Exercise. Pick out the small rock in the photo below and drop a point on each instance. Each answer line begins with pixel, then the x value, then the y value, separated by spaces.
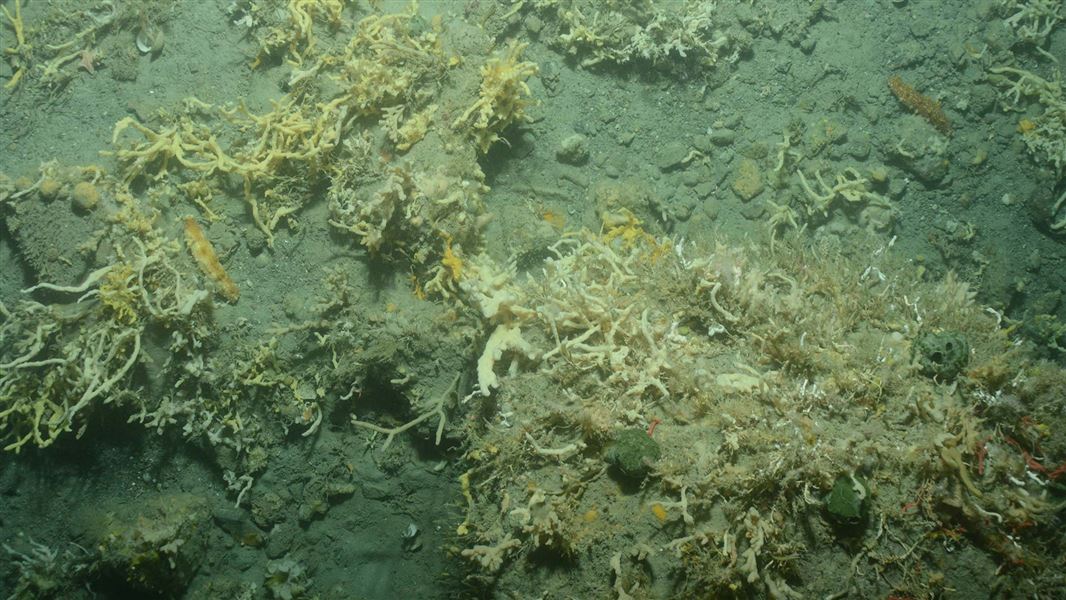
pixel 573 150
pixel 672 156
pixel 922 28
pixel 703 143
pixel 930 168
pixel 1032 264
pixel 711 210
pixel 534 24
pixel 705 189
pixel 753 211
pixel 723 137
pixel 280 541
pixel 896 187
pixel 680 206
pixel 858 149
pixel 1047 303
pixel 255 241
pixel 296 307
pixel 747 180
pixel 691 178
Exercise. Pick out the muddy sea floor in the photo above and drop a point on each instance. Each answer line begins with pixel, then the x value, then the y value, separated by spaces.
pixel 398 306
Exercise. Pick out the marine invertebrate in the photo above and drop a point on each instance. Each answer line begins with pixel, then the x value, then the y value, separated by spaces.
pixel 546 522
pixel 1045 134
pixel 632 453
pixel 1058 223
pixel 847 501
pixel 157 547
pixel 50 372
pixel 941 355
pixel 18 55
pixel 204 253
pixel 60 362
pixel 286 135
pixel 680 32
pixel 389 62
pixel 87 59
pixel 503 97
pixel 781 216
pixel 922 105
pixel 1033 20
pixel 85 195
pixel 854 188
pixel 491 557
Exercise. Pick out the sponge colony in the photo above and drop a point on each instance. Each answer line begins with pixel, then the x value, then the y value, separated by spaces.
pixel 85 196
pixel 632 453
pixel 941 355
pixel 49 188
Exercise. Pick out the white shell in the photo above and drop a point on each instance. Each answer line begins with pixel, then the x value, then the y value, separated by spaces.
pixel 143 43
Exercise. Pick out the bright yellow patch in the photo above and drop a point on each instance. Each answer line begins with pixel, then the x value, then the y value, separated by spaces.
pixel 451 261
pixel 632 235
pixel 553 218
pixel 420 293
pixel 464 482
pixel 659 511
pixel 1026 126
pixel 591 515
pixel 117 296
pixel 629 232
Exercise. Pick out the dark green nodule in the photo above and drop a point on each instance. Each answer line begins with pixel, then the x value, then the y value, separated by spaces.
pixel 846 502
pixel 632 453
pixel 941 355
